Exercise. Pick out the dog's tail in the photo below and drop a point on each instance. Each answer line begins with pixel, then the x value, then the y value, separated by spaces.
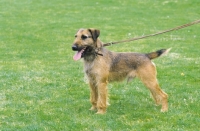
pixel 158 53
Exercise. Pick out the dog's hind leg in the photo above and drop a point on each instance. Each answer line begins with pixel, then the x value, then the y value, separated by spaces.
pixel 147 74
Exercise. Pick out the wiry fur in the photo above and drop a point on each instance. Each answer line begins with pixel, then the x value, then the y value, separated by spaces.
pixel 102 66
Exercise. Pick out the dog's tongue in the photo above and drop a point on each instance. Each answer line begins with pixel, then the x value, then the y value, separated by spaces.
pixel 78 54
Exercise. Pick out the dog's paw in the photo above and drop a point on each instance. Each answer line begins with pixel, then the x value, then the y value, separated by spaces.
pixel 93 108
pixel 164 110
pixel 101 111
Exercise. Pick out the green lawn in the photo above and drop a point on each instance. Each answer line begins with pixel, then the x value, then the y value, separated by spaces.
pixel 42 88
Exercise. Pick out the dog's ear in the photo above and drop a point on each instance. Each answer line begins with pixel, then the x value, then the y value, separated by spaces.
pixel 95 33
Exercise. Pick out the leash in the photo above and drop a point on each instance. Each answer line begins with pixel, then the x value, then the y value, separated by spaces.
pixel 162 32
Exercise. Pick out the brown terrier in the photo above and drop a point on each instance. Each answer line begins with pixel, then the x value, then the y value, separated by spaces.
pixel 102 66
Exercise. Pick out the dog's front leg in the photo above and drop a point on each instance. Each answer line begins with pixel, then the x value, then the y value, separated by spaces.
pixel 93 96
pixel 102 97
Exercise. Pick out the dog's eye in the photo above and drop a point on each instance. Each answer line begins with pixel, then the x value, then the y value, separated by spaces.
pixel 83 37
pixel 75 36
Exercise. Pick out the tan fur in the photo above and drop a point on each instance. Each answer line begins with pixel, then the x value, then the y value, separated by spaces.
pixel 116 67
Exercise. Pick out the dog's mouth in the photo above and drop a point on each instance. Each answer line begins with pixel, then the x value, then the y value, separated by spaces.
pixel 83 52
pixel 79 54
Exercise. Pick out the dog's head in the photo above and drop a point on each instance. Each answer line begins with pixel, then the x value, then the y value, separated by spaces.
pixel 85 43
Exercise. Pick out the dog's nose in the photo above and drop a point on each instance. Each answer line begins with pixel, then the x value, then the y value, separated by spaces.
pixel 74 48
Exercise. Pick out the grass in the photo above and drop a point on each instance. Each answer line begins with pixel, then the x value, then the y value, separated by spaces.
pixel 42 88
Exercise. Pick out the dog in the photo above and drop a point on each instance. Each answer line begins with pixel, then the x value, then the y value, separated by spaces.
pixel 102 66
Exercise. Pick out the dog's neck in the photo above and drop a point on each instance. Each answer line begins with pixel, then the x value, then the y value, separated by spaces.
pixel 93 54
pixel 89 57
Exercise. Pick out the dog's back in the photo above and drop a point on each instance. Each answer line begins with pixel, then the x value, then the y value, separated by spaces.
pixel 125 65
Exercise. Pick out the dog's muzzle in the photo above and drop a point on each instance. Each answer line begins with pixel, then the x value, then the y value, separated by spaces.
pixel 74 47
